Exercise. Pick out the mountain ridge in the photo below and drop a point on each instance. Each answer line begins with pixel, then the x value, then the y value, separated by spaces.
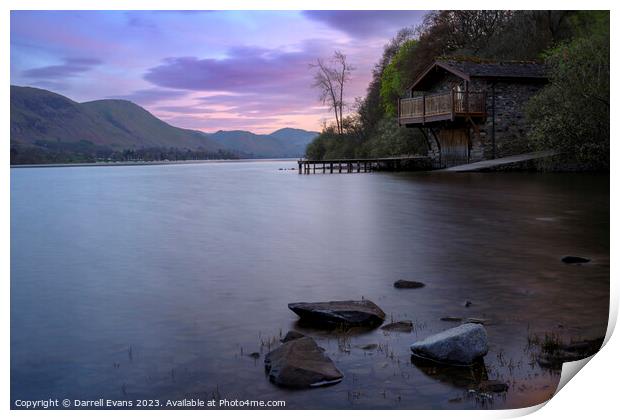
pixel 43 121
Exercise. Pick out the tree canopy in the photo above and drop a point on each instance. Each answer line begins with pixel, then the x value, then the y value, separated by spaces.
pixel 571 114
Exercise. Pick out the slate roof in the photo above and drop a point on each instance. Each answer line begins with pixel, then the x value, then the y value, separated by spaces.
pixel 512 69
pixel 467 69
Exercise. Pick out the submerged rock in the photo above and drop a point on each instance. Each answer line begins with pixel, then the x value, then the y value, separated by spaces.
pixel 555 360
pixel 553 355
pixel 465 377
pixel 292 335
pixel 400 326
pixel 477 321
pixel 466 320
pixel 492 386
pixel 451 319
pixel 585 348
pixel 368 347
pixel 347 313
pixel 570 259
pixel 461 345
pixel 301 363
pixel 408 284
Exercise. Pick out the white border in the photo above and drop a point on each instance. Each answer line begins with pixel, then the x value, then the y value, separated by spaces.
pixel 593 395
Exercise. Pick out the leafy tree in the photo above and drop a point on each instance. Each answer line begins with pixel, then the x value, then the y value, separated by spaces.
pixel 465 29
pixel 369 109
pixel 331 144
pixel 571 114
pixel 392 140
pixel 317 149
pixel 446 32
pixel 536 30
pixel 397 76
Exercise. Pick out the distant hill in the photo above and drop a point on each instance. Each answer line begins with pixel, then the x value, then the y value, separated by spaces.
pixel 295 137
pixel 39 115
pixel 286 142
pixel 48 127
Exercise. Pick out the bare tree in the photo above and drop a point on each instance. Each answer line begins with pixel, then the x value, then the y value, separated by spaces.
pixel 331 78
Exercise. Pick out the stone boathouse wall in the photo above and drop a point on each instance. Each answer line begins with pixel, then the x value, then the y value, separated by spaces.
pixel 511 97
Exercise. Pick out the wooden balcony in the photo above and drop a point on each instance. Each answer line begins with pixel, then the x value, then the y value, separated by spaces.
pixel 441 106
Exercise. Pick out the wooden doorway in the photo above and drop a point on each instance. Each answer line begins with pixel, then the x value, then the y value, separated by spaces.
pixel 454 144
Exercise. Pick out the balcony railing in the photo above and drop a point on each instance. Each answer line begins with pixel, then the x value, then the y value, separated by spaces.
pixel 441 106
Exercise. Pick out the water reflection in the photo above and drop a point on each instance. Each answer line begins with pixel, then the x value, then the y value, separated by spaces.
pixel 466 377
pixel 189 264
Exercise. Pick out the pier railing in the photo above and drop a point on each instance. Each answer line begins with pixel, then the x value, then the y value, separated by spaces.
pixel 331 166
pixel 441 106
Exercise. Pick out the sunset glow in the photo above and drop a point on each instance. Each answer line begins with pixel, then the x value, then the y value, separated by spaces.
pixel 210 71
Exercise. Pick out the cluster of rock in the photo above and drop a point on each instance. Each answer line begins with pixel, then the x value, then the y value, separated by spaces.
pixel 301 363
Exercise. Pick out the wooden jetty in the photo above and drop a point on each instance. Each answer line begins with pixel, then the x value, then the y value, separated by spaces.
pixel 331 166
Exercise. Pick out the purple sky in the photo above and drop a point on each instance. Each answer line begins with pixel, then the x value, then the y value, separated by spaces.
pixel 203 70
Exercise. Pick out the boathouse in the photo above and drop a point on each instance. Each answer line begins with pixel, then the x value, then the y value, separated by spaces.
pixel 471 110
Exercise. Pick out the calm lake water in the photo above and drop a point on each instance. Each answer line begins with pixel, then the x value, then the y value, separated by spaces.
pixel 158 281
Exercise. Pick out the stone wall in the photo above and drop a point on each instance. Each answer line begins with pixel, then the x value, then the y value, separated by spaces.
pixel 433 150
pixel 510 121
pixel 511 128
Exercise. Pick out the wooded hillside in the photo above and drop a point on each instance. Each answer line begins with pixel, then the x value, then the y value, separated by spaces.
pixel 571 114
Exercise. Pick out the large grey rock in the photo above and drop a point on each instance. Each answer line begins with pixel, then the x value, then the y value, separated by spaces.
pixel 301 363
pixel 347 313
pixel 461 345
